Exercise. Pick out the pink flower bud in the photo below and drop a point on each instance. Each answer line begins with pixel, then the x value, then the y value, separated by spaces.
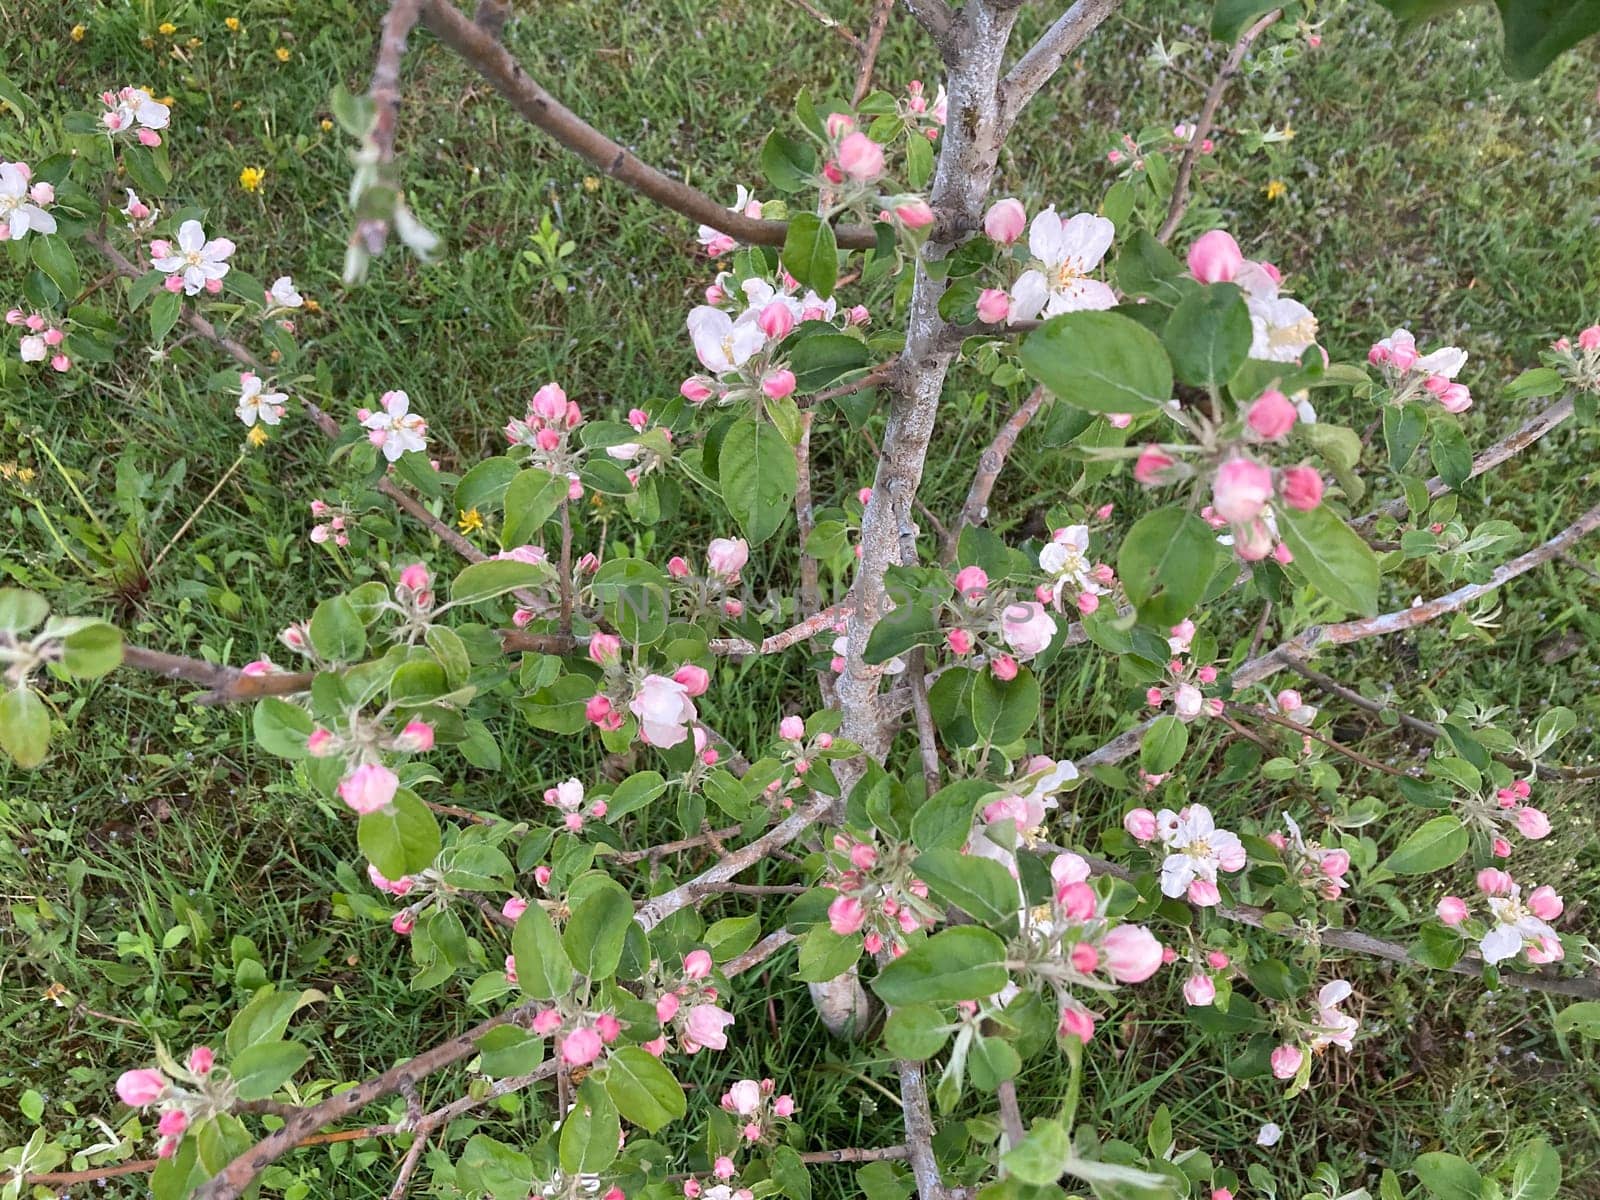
pixel 172 1123
pixel 403 922
pixel 775 385
pixel 1456 398
pixel 1241 490
pixel 1494 882
pixel 838 124
pixel 581 1047
pixel 1272 415
pixel 1199 990
pixel 598 708
pixel 151 139
pixel 792 729
pixel 415 738
pixel 1533 824
pixel 201 1060
pixel 369 787
pixel 863 856
pixel 513 908
pixel 696 389
pixel 1005 221
pixel 1152 466
pixel 605 648
pixel 1544 903
pixel 858 315
pixel 784 1106
pixel 1286 1061
pixel 846 916
pixel 1206 674
pixel 546 1021
pixel 1004 668
pixel 723 1168
pixel 667 1006
pixel 1203 893
pixel 1500 848
pixel 914 213
pixel 1215 257
pixel 1076 900
pixel 776 320
pixel 1132 953
pixel 959 641
pixel 697 964
pixel 1217 960
pixel 1140 823
pixel 860 157
pixel 1589 339
pixel 42 193
pixel 1076 1022
pixel 415 577
pixel 1084 958
pixel 1452 910
pixel 141 1088
pixel 994 305
pixel 608 1027
pixel 694 679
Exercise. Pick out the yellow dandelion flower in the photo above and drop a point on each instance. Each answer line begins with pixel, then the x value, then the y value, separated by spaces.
pixel 257 436
pixel 470 520
pixel 282 53
pixel 591 184
pixel 232 23
pixel 26 475
pixel 166 29
pixel 78 33
pixel 250 179
pixel 312 306
pixel 237 105
pixel 167 100
pixel 326 125
pixel 1276 189
pixel 193 43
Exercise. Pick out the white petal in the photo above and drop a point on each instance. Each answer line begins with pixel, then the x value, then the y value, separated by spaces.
pixel 191 236
pixel 1446 361
pixel 1028 296
pixel 1500 943
pixel 1082 295
pixel 1044 237
pixel 1086 238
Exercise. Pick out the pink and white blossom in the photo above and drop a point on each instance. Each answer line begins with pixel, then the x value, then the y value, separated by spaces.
pixel 198 263
pixel 1064 253
pixel 396 430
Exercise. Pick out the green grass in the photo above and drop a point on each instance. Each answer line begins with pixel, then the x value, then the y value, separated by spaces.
pixel 1422 188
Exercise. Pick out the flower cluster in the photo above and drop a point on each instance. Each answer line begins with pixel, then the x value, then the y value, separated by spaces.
pixel 185 1094
pixel 196 264
pixel 663 705
pixel 1579 365
pixel 1412 375
pixel 1057 276
pixel 689 1010
pixel 40 339
pixel 1513 925
pixel 367 784
pixel 723 1171
pixel 132 110
pixel 736 333
pixel 1017 817
pixel 1330 1027
pixel 1312 866
pixel 1072 943
pixel 1242 493
pixel 257 404
pixel 568 800
pixel 1200 988
pixel 1282 329
pixel 715 242
pixel 396 429
pixel 141 218
pixel 725 559
pixel 1133 151
pixel 878 895
pixel 23 203
pixel 923 114
pixel 1184 692
pixel 994 623
pixel 332 524
pixel 760 1112
pixel 1196 850
pixel 1065 559
pixel 546 431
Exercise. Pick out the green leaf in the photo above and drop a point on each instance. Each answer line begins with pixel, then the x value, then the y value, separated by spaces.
pixel 1403 430
pixel 788 163
pixel 401 838
pixel 337 632
pixel 484 486
pixel 732 936
pixel 1538 30
pixel 1165 562
pixel 980 887
pixel 508 1050
pixel 811 254
pixel 281 729
pixel 24 726
pixel 486 580
pixel 1332 557
pixel 266 1017
pixel 1452 455
pixel 944 820
pixel 92 650
pixel 963 963
pixel 591 1132
pixel 1042 1156
pixel 992 1062
pixel 1230 18
pixel 915 1031
pixel 53 255
pixel 261 1069
pixel 1208 335
pixel 1004 710
pixel 1103 362
pixel 826 955
pixel 494 1169
pixel 787 1167
pixel 903 627
pixel 1539 381
pixel 634 793
pixel 822 359
pixel 758 477
pixel 1537 1173
pixel 543 968
pixel 1432 848
pixel 164 310
pixel 597 930
pixel 1147 269
pixel 1448 1176
pixel 1582 1018
pixel 531 499
pixel 642 1088
pixel 21 610
pixel 1163 745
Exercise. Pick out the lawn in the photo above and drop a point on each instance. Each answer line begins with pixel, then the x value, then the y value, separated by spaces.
pixel 161 863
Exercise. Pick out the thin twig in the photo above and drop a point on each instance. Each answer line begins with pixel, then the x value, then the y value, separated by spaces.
pixel 976 508
pixel 877 375
pixel 810 586
pixel 927 736
pixel 408 1167
pixel 666 848
pixel 384 92
pixel 827 22
pixel 1262 714
pixel 869 49
pixel 565 582
pixel 508 77
pixel 1208 116
pixel 197 510
pixel 1010 1112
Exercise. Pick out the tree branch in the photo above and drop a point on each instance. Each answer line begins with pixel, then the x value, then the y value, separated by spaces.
pixel 869 49
pixel 936 17
pixel 919 1132
pixel 1208 116
pixel 384 92
pixel 1044 58
pixel 827 22
pixel 976 508
pixel 1514 443
pixel 1345 632
pixel 491 60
